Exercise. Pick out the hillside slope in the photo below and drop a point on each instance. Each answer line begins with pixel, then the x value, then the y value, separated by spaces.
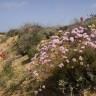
pixel 63 62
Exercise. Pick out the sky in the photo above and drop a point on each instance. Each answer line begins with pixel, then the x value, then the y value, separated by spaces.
pixel 15 13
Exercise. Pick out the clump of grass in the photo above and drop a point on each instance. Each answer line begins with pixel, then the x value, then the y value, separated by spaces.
pixel 7 69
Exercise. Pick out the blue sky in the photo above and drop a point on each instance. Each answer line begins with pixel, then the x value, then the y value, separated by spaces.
pixel 14 13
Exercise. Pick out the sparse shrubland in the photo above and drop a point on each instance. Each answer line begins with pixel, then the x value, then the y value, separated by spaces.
pixel 61 61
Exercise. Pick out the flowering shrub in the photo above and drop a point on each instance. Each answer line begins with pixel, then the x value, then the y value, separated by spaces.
pixel 69 57
pixel 62 61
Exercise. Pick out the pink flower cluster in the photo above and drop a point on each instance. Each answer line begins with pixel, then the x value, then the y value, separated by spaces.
pixel 80 36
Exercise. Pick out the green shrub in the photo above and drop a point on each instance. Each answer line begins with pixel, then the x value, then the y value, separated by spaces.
pixel 12 32
pixel 48 32
pixel 7 69
pixel 29 39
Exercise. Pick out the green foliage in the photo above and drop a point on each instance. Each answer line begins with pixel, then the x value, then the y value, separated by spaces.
pixel 7 69
pixel 48 32
pixel 29 38
pixel 7 73
pixel 32 51
pixel 91 20
pixel 90 55
pixel 12 32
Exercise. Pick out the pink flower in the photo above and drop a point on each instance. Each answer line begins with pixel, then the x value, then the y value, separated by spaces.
pixel 75 50
pixel 81 63
pixel 61 65
pixel 80 58
pixel 60 31
pixel 92 44
pixel 85 35
pixel 72 39
pixel 35 73
pixel 43 86
pixel 92 35
pixel 79 35
pixel 40 89
pixel 82 47
pixel 74 59
pixel 65 57
pixel 54 37
pixel 62 49
pixel 53 45
pixel 65 38
pixel 81 29
pixel 74 31
pixel 55 41
pixel 67 61
pixel 80 51
pixel 35 92
pixel 85 43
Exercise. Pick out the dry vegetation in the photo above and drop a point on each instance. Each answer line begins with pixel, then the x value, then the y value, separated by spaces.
pixel 38 61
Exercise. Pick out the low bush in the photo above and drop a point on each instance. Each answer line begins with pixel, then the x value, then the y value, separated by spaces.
pixel 12 32
pixel 29 38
